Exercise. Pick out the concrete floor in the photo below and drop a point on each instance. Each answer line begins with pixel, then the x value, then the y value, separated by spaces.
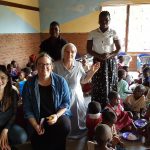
pixel 81 144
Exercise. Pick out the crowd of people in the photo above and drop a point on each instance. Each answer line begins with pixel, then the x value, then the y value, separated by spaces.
pixel 49 90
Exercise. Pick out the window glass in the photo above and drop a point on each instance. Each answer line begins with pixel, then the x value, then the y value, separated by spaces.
pixel 118 21
pixel 139 28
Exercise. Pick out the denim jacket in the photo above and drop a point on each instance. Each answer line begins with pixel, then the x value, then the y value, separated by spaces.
pixel 31 96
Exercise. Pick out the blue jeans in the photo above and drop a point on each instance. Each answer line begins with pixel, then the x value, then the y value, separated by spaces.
pixel 17 135
pixel 118 147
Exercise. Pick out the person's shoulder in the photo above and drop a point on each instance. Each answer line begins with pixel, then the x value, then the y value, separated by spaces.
pixel 131 96
pixel 45 40
pixel 143 97
pixel 94 31
pixel 62 40
pixel 14 90
pixel 57 77
pixel 31 80
pixel 124 82
pixel 112 31
pixel 78 63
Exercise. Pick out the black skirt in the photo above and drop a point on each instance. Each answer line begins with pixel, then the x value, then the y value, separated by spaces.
pixel 104 81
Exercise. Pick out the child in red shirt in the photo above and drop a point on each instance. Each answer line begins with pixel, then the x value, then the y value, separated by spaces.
pixel 93 118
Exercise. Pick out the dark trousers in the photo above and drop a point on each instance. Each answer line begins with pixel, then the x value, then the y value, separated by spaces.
pixel 54 137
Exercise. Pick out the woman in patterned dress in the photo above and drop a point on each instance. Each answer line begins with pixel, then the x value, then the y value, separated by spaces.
pixel 101 44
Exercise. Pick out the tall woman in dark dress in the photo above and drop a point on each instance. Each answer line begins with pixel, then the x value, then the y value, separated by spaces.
pixel 100 44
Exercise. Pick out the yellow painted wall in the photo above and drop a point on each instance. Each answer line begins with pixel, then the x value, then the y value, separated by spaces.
pixel 28 16
pixel 81 24
pixel 34 3
pixel 28 21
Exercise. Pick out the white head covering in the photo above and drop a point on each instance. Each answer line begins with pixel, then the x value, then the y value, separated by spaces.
pixel 64 48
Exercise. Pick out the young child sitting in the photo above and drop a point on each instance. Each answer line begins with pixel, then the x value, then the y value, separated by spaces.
pixel 146 77
pixel 147 113
pixel 103 136
pixel 123 86
pixel 145 131
pixel 124 119
pixel 136 102
pixel 93 118
pixel 109 118
pixel 120 62
pixel 129 77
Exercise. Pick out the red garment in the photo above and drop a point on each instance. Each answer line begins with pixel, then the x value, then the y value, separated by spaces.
pixel 91 124
pixel 123 118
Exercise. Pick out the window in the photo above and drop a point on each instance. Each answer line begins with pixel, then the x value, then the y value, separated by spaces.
pixel 138 27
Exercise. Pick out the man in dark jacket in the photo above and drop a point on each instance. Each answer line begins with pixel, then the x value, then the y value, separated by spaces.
pixel 54 43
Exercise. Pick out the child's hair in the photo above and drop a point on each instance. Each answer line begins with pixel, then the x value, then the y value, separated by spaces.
pixel 140 88
pixel 103 134
pixel 125 68
pixel 27 71
pixel 108 117
pixel 121 73
pixel 94 107
pixel 112 95
pixel 121 58
pixel 146 70
pixel 104 14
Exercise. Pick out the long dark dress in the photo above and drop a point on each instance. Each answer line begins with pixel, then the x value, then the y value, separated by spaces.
pixel 104 80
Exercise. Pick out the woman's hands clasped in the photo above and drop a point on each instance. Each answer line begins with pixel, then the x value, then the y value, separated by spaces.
pixel 52 119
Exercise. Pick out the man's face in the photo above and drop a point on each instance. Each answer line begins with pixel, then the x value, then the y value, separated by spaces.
pixel 54 31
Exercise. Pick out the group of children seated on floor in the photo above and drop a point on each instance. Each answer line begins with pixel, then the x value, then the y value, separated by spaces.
pixel 114 119
pixel 124 108
pixel 19 76
pixel 105 126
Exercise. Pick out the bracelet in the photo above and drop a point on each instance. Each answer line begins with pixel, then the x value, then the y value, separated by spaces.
pixel 57 116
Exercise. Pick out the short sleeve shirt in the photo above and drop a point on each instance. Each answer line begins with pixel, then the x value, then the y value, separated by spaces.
pixel 103 42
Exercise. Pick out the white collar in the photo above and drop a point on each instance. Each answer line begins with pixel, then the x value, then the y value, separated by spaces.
pixel 94 116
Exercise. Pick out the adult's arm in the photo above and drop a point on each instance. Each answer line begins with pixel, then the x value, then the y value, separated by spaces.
pixel 126 89
pixel 117 46
pixel 28 109
pixel 15 98
pixel 65 95
pixel 27 102
pixel 90 73
pixel 65 104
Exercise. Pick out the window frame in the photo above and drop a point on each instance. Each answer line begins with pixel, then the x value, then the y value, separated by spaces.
pixel 128 8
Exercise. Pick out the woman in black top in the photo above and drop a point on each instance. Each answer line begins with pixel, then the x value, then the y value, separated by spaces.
pixel 10 134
